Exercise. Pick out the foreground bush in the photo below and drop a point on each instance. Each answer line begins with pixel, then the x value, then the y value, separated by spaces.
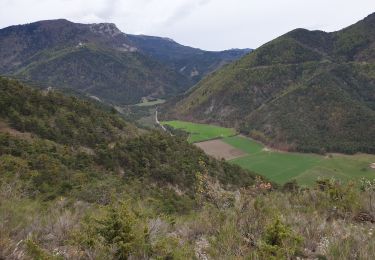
pixel 251 223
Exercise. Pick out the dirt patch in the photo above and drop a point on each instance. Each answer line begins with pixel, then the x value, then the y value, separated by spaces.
pixel 372 166
pixel 220 149
pixel 4 128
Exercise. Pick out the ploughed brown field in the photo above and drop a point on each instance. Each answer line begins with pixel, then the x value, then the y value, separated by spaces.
pixel 220 149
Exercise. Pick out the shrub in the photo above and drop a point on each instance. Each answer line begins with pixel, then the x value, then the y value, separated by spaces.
pixel 279 241
pixel 117 230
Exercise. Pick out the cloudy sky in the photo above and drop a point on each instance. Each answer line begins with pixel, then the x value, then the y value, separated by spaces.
pixel 206 24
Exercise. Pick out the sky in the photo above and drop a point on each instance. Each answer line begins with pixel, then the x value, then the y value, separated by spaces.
pixel 205 24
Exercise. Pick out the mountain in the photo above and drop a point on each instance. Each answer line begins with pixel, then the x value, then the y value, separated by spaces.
pixel 100 60
pixel 97 59
pixel 309 91
pixel 191 62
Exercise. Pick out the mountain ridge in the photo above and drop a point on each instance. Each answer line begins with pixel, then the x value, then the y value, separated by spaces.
pixel 133 71
pixel 267 93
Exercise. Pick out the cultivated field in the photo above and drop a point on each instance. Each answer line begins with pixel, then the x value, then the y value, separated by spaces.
pixel 279 167
pixel 282 167
pixel 220 150
pixel 201 132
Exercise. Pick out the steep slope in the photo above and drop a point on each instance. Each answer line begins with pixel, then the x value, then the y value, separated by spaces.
pixel 96 140
pixel 120 77
pixel 102 61
pixel 191 62
pixel 57 150
pixel 308 91
pixel 95 58
pixel 21 42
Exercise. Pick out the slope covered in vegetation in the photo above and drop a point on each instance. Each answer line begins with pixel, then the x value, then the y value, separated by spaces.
pixel 29 115
pixel 191 62
pixel 305 91
pixel 100 60
pixel 97 59
pixel 55 148
pixel 78 182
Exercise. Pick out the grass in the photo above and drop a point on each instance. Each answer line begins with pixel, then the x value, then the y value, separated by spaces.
pixel 343 167
pixel 151 103
pixel 201 132
pixel 282 167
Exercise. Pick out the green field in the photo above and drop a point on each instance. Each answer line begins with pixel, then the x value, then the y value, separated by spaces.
pixel 281 167
pixel 201 132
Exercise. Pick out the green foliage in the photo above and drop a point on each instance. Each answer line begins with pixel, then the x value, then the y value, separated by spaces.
pixel 35 252
pixel 201 132
pixel 304 91
pixel 190 59
pixel 122 78
pixel 246 229
pixel 118 229
pixel 280 242
pixel 85 161
pixel 343 198
pixel 64 200
pixel 99 60
pixel 52 116
pixel 63 54
pixel 282 167
pixel 167 159
pixel 171 248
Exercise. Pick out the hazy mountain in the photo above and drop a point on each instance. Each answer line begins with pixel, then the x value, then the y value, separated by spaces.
pixel 101 60
pixel 191 62
pixel 306 90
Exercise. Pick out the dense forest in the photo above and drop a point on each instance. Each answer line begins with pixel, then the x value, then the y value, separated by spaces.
pixel 308 91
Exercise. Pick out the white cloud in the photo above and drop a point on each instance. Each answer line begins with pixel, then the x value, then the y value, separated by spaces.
pixel 208 24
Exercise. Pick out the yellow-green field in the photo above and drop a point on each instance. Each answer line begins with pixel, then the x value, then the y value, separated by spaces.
pixel 282 167
pixel 201 132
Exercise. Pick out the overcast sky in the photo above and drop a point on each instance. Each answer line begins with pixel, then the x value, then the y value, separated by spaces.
pixel 206 24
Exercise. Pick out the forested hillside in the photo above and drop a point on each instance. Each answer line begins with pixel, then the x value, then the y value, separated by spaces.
pixel 309 91
pixel 97 59
pixel 54 147
pixel 78 182
pixel 193 63
pixel 102 61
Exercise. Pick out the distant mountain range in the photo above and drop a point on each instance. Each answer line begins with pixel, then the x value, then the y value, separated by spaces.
pixel 191 62
pixel 310 91
pixel 102 61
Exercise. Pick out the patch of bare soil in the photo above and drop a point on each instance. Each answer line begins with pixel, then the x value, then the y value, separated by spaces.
pixel 4 128
pixel 220 149
pixel 372 166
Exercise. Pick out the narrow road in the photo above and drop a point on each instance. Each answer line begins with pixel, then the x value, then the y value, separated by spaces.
pixel 158 122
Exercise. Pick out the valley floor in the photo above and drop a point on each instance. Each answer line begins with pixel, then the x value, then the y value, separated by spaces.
pixel 282 167
pixel 279 167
